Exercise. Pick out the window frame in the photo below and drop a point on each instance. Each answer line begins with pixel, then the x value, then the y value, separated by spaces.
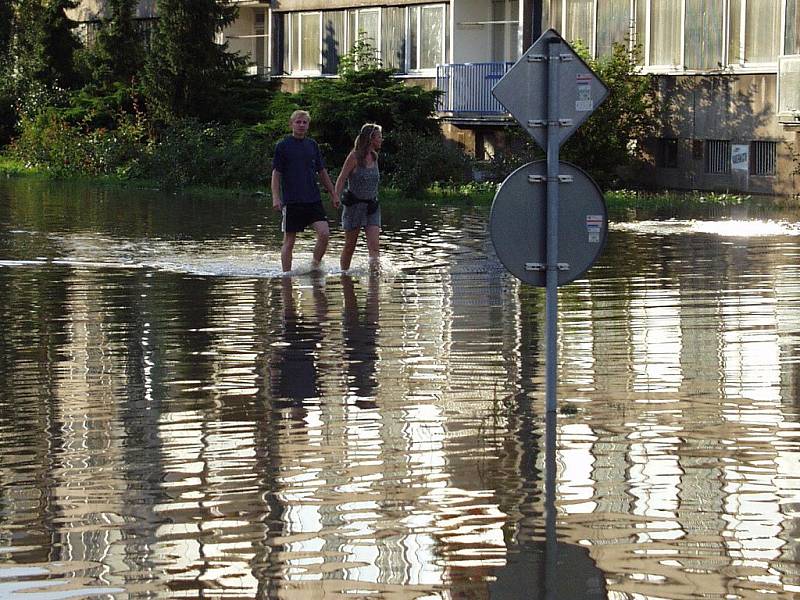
pixel 424 71
pixel 557 11
pixel 743 65
pixel 292 50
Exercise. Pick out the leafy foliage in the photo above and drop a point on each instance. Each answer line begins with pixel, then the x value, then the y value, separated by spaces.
pixel 45 44
pixel 117 55
pixel 417 160
pixel 187 72
pixel 613 137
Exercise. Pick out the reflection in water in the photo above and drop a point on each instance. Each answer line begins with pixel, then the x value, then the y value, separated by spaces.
pixel 360 332
pixel 294 369
pixel 175 421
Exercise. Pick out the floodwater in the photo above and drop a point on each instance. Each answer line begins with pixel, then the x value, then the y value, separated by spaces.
pixel 179 421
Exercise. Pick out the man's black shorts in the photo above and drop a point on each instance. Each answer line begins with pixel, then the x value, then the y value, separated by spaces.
pixel 296 217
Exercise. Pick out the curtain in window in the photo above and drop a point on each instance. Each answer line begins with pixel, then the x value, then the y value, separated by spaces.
pixel 703 34
pixel 665 32
pixel 413 37
pixel 431 35
pixel 368 25
pixel 286 35
pixel 735 32
pixel 580 22
pixel 641 27
pixel 512 30
pixel 551 15
pixel 791 42
pixel 762 31
pixel 498 30
pixel 333 40
pixel 614 23
pixel 393 26
pixel 309 42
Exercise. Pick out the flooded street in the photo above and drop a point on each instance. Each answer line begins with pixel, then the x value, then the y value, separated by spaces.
pixel 179 421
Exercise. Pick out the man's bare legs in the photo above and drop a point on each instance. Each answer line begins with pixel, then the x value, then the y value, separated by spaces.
pixel 286 250
pixel 323 236
pixel 321 245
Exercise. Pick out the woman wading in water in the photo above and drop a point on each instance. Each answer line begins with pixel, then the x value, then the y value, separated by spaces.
pixel 361 208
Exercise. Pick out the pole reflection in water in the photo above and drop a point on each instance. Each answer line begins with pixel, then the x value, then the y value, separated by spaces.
pixel 177 421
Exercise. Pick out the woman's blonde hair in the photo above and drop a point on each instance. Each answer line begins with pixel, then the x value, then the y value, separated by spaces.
pixel 361 145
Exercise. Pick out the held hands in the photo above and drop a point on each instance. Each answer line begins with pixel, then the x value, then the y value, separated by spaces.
pixel 334 198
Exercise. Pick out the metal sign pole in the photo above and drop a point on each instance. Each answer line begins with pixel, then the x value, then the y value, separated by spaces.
pixel 551 297
pixel 573 93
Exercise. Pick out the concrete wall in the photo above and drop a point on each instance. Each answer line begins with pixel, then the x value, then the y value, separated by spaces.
pixel 738 108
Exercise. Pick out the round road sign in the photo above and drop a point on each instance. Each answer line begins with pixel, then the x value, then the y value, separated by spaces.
pixel 518 223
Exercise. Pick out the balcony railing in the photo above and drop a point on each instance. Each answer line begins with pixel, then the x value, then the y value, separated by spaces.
pixel 468 87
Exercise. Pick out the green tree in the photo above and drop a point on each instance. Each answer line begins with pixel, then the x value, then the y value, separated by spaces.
pixel 45 44
pixel 187 72
pixel 117 56
pixel 7 110
pixel 614 137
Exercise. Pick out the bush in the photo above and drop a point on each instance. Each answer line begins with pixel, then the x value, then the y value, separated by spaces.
pixel 418 160
pixel 191 153
pixel 613 137
pixel 50 141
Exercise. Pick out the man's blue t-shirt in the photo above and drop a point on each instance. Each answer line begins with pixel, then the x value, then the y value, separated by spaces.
pixel 298 160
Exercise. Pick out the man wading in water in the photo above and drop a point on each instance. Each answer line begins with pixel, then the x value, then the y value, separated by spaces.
pixel 295 167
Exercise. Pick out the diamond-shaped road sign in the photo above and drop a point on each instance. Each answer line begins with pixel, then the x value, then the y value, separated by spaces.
pixel 523 89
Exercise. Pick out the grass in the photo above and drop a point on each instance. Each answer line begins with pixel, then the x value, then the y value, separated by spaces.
pixel 620 203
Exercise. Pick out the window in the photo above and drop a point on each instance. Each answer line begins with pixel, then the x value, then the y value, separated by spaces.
pixel 309 38
pixel 697 149
pixel 614 23
pixel 334 44
pixel 407 38
pixel 703 34
pixel 755 31
pixel 791 40
pixel 428 43
pixel 665 32
pixel 763 158
pixel 718 156
pixel 393 23
pixel 367 26
pixel 259 41
pixel 505 30
pixel 667 153
pixel 579 22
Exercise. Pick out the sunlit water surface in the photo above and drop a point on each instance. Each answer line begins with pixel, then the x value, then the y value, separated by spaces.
pixel 178 420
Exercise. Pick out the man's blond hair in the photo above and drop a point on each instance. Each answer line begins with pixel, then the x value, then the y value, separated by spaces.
pixel 299 113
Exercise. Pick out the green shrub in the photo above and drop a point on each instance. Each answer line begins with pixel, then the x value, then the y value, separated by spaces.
pixel 50 141
pixel 417 160
pixel 192 153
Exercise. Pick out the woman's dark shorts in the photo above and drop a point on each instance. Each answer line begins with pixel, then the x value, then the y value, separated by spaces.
pixel 296 217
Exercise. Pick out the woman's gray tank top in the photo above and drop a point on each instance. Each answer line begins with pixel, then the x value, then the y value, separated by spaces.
pixel 363 181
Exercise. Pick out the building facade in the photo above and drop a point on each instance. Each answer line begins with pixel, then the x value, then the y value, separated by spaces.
pixel 728 70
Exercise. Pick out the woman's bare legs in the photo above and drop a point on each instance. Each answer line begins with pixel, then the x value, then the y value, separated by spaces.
pixel 350 240
pixel 373 233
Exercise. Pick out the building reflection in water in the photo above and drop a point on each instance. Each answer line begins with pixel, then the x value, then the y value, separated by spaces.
pixel 283 438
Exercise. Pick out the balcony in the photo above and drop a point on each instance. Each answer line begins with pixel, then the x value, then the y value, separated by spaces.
pixel 467 89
